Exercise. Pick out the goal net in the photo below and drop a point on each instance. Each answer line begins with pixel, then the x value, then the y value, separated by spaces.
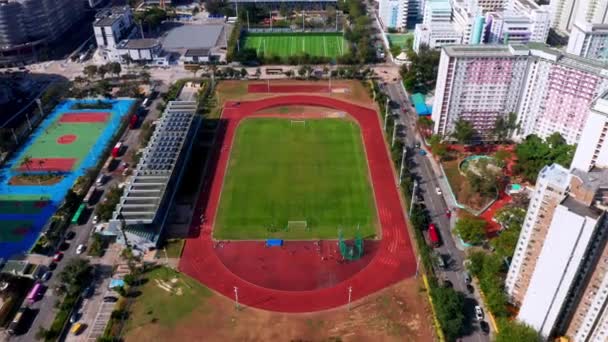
pixel 297 225
pixel 298 123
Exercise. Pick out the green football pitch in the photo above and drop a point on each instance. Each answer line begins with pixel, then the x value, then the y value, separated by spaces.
pixel 282 170
pixel 284 45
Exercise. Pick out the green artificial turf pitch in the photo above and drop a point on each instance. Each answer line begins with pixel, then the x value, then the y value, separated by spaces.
pixel 46 145
pixel 282 170
pixel 284 45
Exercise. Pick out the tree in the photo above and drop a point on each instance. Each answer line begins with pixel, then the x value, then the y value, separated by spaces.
pixel 505 127
pixel 115 68
pixel 27 161
pixel 330 14
pixel 516 331
pixel 421 75
pixel 438 148
pixel 145 76
pixel 75 275
pixel 464 132
pixel 243 72
pixel 425 124
pixel 533 154
pixel 283 10
pixel 449 306
pixel 102 70
pixel 302 71
pixel 90 71
pixel 471 230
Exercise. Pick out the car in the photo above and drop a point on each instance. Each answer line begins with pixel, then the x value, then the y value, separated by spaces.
pixel 110 299
pixel 485 327
pixel 467 278
pixel 88 291
pixel 80 249
pixel 448 284
pixel 478 313
pixel 470 288
pixel 422 152
pixel 96 219
pixel 70 235
pixel 57 257
pixel 438 191
pixel 75 317
pixel 52 265
pixel 46 276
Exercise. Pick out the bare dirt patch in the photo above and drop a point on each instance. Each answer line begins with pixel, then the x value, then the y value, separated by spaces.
pixel 398 313
pixel 44 179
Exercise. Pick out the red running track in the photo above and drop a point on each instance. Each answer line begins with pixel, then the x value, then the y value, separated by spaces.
pixel 393 261
pixel 287 88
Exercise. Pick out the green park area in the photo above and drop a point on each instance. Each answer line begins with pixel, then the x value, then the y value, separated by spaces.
pixel 296 180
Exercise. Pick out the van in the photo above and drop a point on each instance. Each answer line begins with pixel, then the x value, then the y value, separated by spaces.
pixel 100 180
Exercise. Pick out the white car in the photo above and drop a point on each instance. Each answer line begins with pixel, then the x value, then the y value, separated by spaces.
pixel 478 313
pixel 96 219
pixel 438 191
pixel 80 249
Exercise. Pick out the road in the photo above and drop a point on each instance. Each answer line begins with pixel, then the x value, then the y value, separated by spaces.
pixel 436 205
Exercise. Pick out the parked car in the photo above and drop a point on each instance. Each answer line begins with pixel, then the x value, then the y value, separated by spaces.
pixel 478 313
pixel 96 219
pixel 438 191
pixel 70 235
pixel 80 249
pixel 74 318
pixel 110 299
pixel 467 277
pixel 57 257
pixel 88 291
pixel 46 276
pixel 484 327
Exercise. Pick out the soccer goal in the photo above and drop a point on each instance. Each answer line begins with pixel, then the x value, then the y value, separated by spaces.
pixel 297 225
pixel 298 123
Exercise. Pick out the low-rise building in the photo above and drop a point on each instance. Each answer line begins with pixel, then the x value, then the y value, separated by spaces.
pixel 110 27
pixel 146 50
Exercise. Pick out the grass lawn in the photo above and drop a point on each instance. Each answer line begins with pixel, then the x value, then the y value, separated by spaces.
pixel 173 248
pixel 292 44
pixel 401 40
pixel 158 305
pixel 281 171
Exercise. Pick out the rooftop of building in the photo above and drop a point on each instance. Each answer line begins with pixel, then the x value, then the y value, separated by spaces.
pixel 439 5
pixel 580 208
pixel 591 27
pixel 555 174
pixel 593 180
pixel 108 16
pixel 538 50
pixel 192 37
pixel 197 52
pixel 144 43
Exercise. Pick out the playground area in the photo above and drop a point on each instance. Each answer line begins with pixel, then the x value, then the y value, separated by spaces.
pixel 305 273
pixel 66 144
pixel 326 44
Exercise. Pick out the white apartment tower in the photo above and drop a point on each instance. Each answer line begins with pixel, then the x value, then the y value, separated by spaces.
pixel 393 13
pixel 564 13
pixel 559 273
pixel 589 41
pixel 548 90
pixel 592 150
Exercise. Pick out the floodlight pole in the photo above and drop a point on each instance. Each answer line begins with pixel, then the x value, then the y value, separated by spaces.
pixel 236 297
pixel 350 292
pixel 417 266
pixel 268 85
pixel 402 164
pixel 271 20
pixel 412 201
pixel 386 114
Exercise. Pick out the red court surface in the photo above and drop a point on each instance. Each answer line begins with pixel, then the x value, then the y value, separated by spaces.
pixel 49 164
pixel 84 117
pixel 67 139
pixel 287 88
pixel 300 281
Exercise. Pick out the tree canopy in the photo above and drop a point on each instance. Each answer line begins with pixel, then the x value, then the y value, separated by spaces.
pixel 438 148
pixel 534 153
pixel 471 230
pixel 489 268
pixel 464 132
pixel 449 306
pixel 421 75
pixel 505 127
pixel 75 275
pixel 516 331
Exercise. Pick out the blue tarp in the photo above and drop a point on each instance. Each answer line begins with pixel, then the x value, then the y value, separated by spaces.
pixel 274 243
pixel 116 283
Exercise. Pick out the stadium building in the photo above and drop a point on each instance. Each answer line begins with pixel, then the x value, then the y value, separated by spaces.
pixel 148 196
pixel 29 26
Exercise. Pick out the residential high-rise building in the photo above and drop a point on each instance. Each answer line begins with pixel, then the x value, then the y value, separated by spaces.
pixel 592 11
pixel 394 13
pixel 565 13
pixel 592 150
pixel 548 90
pixel 558 273
pixel 27 26
pixel 589 41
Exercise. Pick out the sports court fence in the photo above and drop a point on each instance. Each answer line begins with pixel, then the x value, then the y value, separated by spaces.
pixel 289 30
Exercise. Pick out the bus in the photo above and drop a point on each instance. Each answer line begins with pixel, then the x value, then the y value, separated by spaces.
pixel 434 236
pixel 90 195
pixel 78 215
pixel 13 328
pixel 32 297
